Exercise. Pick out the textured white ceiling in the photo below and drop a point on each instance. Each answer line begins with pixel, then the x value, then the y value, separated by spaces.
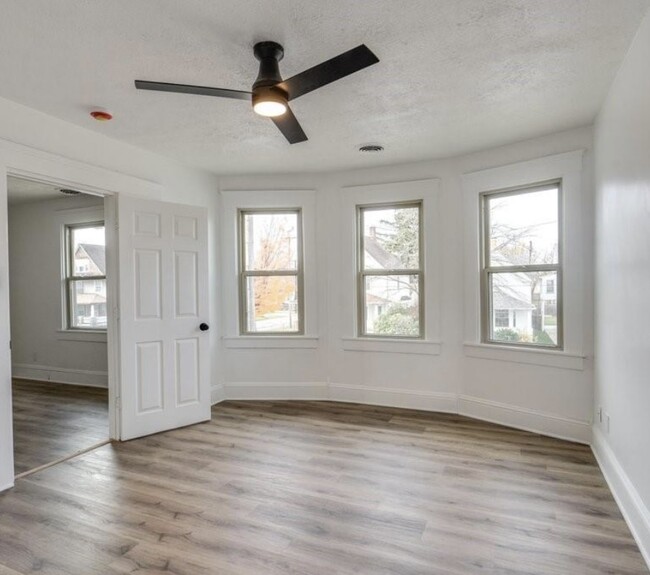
pixel 454 76
pixel 21 191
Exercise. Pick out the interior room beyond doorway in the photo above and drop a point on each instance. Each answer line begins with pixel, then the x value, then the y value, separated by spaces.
pixel 59 320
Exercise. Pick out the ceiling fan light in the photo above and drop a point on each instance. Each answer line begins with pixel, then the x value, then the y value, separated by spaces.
pixel 269 101
pixel 270 108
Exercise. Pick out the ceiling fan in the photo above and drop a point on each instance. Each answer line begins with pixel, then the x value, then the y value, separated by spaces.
pixel 271 94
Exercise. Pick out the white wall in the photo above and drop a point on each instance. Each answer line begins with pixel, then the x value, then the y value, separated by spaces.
pixel 622 310
pixel 40 349
pixel 552 399
pixel 32 142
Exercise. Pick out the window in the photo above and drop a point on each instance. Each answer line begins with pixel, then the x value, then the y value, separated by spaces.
pixel 271 272
pixel 501 318
pixel 522 264
pixel 390 270
pixel 85 276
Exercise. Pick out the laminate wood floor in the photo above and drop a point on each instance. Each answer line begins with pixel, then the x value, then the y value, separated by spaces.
pixel 52 420
pixel 315 488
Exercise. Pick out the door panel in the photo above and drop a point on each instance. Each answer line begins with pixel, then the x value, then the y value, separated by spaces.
pixel 149 381
pixel 164 356
pixel 148 284
pixel 187 371
pixel 187 284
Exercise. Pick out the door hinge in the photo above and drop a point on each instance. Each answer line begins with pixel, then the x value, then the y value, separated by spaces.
pixel 118 403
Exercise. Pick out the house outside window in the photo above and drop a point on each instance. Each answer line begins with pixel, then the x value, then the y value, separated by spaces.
pixel 271 272
pixel 521 266
pixel 390 270
pixel 85 276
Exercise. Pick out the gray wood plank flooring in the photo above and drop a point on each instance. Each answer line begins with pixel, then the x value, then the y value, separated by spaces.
pixel 53 420
pixel 315 488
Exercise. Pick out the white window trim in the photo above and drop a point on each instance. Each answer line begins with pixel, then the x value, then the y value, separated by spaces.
pixel 487 331
pixel 231 202
pixel 426 191
pixel 69 217
pixel 568 168
pixel 69 277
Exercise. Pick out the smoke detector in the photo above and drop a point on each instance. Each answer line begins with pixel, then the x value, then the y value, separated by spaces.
pixel 101 115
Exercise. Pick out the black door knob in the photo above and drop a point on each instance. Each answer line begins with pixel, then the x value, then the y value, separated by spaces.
pixel 204 327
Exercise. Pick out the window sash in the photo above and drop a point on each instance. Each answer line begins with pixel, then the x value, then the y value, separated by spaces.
pixel 71 278
pixel 244 273
pixel 363 273
pixel 487 328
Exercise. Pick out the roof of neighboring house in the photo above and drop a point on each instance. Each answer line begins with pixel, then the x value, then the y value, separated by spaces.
pixel 371 298
pixel 503 300
pixel 97 254
pixel 385 259
pixel 89 298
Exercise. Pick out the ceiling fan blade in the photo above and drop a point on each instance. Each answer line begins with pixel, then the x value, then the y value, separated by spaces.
pixel 187 89
pixel 290 128
pixel 338 67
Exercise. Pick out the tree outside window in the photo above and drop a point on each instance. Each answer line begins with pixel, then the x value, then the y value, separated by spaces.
pixel 390 270
pixel 521 267
pixel 271 271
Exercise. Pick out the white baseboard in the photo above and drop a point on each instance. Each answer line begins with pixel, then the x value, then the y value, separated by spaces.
pixel 5 487
pixel 500 413
pixel 409 399
pixel 526 419
pixel 281 391
pixel 635 512
pixel 60 375
pixel 217 394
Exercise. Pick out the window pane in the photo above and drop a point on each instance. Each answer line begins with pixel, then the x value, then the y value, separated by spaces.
pixel 391 238
pixel 392 305
pixel 523 310
pixel 270 241
pixel 88 304
pixel 88 251
pixel 272 304
pixel 524 228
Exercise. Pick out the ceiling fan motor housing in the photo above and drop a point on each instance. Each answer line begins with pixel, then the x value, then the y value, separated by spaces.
pixel 265 87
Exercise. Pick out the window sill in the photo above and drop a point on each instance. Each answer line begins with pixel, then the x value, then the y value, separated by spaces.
pixel 271 342
pixel 411 346
pixel 98 336
pixel 541 357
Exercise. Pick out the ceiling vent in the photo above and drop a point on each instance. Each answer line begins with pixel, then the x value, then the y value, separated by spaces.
pixel 372 148
pixel 69 192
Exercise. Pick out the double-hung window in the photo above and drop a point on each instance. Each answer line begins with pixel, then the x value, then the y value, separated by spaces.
pixel 85 276
pixel 390 270
pixel 521 276
pixel 271 272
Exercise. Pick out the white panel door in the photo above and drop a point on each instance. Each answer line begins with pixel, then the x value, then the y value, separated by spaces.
pixel 164 344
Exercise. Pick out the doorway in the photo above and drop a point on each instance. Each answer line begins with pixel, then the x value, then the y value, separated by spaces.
pixel 59 322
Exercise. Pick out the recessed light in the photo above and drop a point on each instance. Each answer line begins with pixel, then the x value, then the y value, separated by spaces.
pixel 372 148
